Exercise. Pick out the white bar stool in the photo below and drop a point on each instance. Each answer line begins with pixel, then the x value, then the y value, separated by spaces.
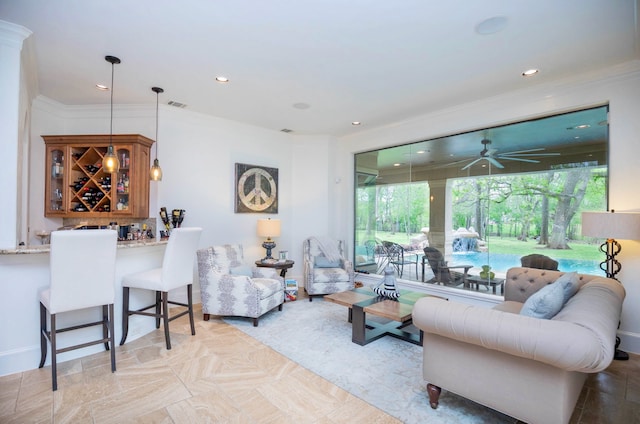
pixel 72 288
pixel 176 271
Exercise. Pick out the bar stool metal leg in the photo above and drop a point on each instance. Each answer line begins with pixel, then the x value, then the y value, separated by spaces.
pixel 125 314
pixel 43 337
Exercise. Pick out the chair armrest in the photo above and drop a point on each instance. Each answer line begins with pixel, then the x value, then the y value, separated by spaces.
pixel 465 273
pixel 215 278
pixel 261 272
pixel 466 267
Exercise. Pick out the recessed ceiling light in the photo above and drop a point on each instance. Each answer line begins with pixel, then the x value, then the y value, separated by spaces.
pixel 491 25
pixel 397 164
pixel 356 123
pixel 222 79
pixel 530 72
pixel 420 152
pixel 102 87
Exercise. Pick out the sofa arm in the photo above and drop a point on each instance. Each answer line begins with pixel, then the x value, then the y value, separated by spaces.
pixel 574 341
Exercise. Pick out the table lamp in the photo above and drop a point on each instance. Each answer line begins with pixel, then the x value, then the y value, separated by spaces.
pixel 611 226
pixel 268 228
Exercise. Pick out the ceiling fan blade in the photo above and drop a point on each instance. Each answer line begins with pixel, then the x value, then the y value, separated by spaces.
pixel 516 152
pixel 469 165
pixel 495 162
pixel 446 165
pixel 506 155
pixel 520 159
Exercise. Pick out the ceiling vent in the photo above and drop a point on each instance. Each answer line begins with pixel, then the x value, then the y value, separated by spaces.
pixel 176 104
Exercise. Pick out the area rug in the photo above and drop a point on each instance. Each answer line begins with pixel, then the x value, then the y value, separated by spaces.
pixel 386 373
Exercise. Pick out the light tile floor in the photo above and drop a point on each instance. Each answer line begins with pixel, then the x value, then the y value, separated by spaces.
pixel 223 375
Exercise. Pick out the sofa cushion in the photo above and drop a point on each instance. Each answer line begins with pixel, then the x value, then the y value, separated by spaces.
pixel 545 303
pixel 570 284
pixel 322 262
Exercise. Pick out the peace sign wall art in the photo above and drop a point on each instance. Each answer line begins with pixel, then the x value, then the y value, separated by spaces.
pixel 256 189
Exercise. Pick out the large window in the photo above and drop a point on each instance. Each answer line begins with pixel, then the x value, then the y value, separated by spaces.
pixel 484 198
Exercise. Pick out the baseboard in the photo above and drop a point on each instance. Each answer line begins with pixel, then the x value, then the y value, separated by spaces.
pixel 629 342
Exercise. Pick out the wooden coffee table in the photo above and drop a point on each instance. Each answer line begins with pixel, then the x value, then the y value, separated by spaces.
pixel 363 301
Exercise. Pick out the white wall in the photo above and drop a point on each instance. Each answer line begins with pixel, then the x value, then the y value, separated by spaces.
pixel 619 86
pixel 13 106
pixel 198 155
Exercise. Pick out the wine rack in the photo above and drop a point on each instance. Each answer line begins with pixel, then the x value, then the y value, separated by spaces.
pixel 77 186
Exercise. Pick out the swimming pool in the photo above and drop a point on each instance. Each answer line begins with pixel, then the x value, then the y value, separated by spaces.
pixel 501 262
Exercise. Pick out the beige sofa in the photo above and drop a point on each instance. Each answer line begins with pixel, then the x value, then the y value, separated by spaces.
pixel 532 369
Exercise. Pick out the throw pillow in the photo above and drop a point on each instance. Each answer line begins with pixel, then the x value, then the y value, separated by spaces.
pixel 322 262
pixel 570 283
pixel 545 303
pixel 241 270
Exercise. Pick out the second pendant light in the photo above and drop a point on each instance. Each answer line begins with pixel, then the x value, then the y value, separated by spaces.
pixel 156 172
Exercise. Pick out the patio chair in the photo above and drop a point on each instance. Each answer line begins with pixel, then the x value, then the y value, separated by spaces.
pixel 442 272
pixel 536 260
pixel 398 257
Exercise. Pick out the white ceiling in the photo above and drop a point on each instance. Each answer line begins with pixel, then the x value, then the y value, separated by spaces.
pixel 372 61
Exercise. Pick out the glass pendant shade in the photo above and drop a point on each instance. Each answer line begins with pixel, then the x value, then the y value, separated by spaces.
pixel 110 162
pixel 156 171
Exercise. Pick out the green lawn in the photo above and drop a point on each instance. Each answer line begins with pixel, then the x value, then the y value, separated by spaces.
pixel 578 250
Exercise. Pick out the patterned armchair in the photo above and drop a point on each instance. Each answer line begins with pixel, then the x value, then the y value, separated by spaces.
pixel 228 287
pixel 322 275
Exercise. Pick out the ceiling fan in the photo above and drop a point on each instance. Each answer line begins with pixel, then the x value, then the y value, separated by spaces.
pixel 492 157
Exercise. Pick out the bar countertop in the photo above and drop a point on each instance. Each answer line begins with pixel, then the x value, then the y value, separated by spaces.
pixel 45 248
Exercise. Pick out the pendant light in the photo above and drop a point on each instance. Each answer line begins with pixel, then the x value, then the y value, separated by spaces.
pixel 156 171
pixel 110 163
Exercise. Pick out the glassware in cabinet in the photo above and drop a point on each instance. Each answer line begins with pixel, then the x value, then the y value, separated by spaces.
pixel 54 202
pixel 88 191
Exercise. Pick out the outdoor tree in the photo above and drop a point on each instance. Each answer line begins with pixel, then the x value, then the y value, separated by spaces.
pixel 569 200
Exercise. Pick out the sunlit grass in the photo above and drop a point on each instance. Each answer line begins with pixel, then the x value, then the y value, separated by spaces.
pixel 578 250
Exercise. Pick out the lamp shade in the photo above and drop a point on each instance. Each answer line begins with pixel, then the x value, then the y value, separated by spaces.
pixel 269 228
pixel 611 225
